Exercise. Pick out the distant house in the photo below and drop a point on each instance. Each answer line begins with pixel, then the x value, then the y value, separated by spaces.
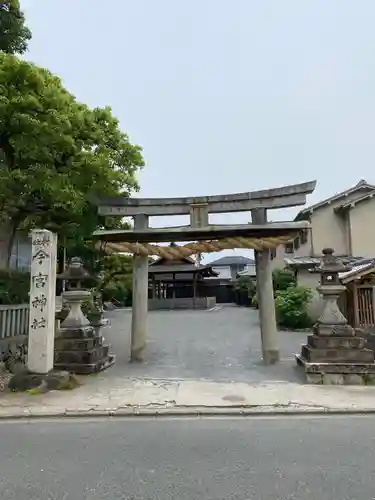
pixel 228 267
pixel 343 222
pixel 250 271
pixel 340 222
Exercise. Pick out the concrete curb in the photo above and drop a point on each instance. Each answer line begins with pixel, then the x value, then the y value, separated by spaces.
pixel 134 412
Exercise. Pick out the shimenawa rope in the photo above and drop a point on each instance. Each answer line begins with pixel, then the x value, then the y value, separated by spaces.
pixel 178 252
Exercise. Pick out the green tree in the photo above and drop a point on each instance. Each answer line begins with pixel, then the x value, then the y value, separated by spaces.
pixel 14 34
pixel 116 278
pixel 57 155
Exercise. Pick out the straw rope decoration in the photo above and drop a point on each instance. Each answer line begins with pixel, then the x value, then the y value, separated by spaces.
pixel 178 252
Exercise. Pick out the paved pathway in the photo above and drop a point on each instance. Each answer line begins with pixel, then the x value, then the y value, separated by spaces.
pixel 221 345
pixel 196 362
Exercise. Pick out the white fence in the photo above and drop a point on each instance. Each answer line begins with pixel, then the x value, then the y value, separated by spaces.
pixel 14 321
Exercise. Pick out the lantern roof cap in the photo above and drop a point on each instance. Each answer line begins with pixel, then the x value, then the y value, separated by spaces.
pixel 331 264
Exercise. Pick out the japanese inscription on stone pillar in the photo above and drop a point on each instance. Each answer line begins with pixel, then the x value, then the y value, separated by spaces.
pixel 42 301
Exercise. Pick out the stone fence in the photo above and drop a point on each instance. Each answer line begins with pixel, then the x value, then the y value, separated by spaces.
pixel 14 321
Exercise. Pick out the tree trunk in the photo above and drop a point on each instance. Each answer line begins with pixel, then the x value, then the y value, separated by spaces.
pixel 10 236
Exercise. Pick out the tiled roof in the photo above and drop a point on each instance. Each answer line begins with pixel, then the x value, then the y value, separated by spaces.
pixel 351 204
pixel 357 271
pixel 315 261
pixel 232 260
pixel 179 268
pixel 361 185
pixel 302 261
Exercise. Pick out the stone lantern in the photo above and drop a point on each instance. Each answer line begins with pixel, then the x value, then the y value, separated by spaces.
pixel 75 295
pixel 79 345
pixel 332 321
pixel 334 354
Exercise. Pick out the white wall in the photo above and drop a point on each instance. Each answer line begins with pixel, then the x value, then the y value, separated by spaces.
pixel 223 271
pixel 311 280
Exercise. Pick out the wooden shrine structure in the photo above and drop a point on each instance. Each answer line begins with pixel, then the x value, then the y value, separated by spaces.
pixel 203 237
pixel 358 303
pixel 179 284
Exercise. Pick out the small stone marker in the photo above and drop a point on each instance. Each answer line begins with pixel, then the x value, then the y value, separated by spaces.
pixel 42 301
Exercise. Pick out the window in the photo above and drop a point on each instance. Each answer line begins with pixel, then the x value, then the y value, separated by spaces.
pixel 296 243
pixel 289 248
pixel 304 237
pixel 273 253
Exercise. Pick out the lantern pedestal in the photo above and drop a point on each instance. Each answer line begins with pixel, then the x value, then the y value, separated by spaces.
pixel 336 358
pixel 334 354
pixel 79 345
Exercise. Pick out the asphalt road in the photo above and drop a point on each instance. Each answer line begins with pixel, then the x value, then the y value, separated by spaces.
pixel 222 345
pixel 329 458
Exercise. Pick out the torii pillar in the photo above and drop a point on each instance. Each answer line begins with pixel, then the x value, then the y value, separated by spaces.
pixel 266 300
pixel 140 298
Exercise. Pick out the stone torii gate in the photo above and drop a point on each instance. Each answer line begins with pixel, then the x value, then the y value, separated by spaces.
pixel 259 235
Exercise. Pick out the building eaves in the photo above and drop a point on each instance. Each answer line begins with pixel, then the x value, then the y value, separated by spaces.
pixel 302 261
pixel 235 260
pixel 312 262
pixel 362 184
pixel 357 272
pixel 351 204
pixel 176 268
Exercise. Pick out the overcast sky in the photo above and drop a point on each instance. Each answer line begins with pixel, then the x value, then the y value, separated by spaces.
pixel 224 96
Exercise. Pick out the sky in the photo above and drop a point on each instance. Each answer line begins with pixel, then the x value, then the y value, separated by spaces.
pixel 223 96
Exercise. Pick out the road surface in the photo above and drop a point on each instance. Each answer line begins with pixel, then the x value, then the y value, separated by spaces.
pixel 285 458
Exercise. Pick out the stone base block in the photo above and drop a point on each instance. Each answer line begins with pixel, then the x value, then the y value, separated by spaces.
pixel 81 350
pixel 71 344
pixel 324 330
pixel 81 356
pixel 337 355
pixel 318 342
pixel 42 382
pixel 81 332
pixel 88 368
pixel 336 373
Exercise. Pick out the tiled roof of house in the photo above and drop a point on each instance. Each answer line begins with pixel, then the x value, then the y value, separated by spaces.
pixel 351 204
pixel 315 261
pixel 356 271
pixel 181 268
pixel 232 260
pixel 361 185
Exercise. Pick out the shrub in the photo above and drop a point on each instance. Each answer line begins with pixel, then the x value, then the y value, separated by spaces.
pixel 291 307
pixel 282 279
pixel 14 287
pixel 245 284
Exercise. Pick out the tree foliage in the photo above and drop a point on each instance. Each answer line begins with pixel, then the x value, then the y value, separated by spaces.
pixel 14 288
pixel 14 34
pixel 116 278
pixel 56 154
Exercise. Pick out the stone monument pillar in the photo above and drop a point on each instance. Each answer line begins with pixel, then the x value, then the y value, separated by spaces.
pixel 42 301
pixel 334 354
